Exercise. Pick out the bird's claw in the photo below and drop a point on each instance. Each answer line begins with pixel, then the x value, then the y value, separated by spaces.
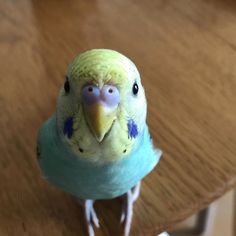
pixel 90 216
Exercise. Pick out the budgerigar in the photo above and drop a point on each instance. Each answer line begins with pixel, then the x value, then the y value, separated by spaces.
pixel 97 144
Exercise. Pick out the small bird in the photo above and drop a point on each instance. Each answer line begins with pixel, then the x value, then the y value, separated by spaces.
pixel 97 144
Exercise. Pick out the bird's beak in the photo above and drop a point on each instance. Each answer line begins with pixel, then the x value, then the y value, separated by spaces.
pixel 100 119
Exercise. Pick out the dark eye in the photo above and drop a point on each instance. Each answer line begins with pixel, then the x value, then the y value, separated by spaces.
pixel 67 85
pixel 135 88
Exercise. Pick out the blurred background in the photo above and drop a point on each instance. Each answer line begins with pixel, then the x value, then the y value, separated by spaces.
pixel 186 53
pixel 218 219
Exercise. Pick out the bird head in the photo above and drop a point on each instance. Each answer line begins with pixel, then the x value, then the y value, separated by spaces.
pixel 101 109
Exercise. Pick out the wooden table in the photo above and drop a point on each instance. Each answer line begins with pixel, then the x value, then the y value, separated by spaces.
pixel 186 53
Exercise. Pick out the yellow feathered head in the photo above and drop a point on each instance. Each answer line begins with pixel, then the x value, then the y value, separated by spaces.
pixel 101 109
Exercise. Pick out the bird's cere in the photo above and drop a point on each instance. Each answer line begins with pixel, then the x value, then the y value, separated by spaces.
pixel 90 94
pixel 110 96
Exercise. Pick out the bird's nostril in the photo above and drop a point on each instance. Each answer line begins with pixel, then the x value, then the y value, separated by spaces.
pixel 90 94
pixel 110 95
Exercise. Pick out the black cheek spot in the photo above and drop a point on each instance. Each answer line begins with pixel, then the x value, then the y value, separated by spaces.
pixel 81 150
pixel 124 151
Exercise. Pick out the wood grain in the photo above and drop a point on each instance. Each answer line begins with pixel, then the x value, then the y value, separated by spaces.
pixel 186 53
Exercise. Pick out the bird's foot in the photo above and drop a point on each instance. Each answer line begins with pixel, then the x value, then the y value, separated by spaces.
pixel 90 215
pixel 127 212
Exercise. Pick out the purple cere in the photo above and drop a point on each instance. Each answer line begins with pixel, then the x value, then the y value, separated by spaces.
pixel 90 94
pixel 68 127
pixel 132 129
pixel 110 95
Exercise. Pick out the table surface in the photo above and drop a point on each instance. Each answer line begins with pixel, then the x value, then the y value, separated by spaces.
pixel 186 54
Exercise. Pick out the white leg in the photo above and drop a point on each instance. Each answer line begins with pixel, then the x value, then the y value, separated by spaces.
pixel 136 191
pixel 90 215
pixel 127 211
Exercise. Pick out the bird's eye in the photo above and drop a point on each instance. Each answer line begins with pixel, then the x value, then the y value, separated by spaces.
pixel 67 85
pixel 135 88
